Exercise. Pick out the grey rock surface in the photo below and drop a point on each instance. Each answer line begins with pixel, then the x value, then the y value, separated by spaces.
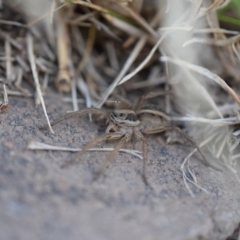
pixel 38 200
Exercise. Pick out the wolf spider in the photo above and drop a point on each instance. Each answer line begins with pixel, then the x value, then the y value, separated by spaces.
pixel 126 123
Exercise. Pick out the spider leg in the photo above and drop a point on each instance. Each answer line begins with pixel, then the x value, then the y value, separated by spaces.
pixel 104 137
pixel 111 126
pixel 154 130
pixel 145 159
pixel 139 136
pixel 124 102
pixel 178 130
pixel 147 96
pixel 154 112
pixel 123 141
pixel 77 113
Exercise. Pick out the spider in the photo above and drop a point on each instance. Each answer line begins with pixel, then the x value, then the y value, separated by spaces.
pixel 124 124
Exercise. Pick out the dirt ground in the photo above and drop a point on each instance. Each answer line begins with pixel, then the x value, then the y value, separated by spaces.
pixel 39 200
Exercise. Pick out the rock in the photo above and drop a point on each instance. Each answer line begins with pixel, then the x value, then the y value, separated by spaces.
pixel 41 201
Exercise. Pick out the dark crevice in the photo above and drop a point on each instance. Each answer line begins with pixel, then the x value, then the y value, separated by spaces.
pixel 235 234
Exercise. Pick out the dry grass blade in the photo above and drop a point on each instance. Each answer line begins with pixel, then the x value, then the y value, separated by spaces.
pixel 97 140
pixel 124 26
pixel 53 6
pixel 215 5
pixel 205 162
pixel 35 77
pixel 186 160
pixel 215 42
pixel 236 51
pixel 89 47
pixel 74 94
pixel 111 51
pixel 11 40
pixel 146 60
pixel 140 20
pixel 7 22
pixel 63 80
pixel 140 44
pixel 215 30
pixel 204 72
pixel 25 92
pixel 5 98
pixel 91 5
pixel 45 15
pixel 176 28
pixel 8 52
pixel 215 122
pixel 105 28
pixel 34 145
pixel 194 10
pixel 137 5
pixel 84 89
pixel 200 89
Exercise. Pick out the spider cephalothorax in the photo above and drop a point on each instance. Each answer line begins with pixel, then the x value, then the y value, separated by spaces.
pixel 124 124
pixel 124 118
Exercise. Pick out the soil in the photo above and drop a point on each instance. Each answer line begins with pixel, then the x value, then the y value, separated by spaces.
pixel 39 200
